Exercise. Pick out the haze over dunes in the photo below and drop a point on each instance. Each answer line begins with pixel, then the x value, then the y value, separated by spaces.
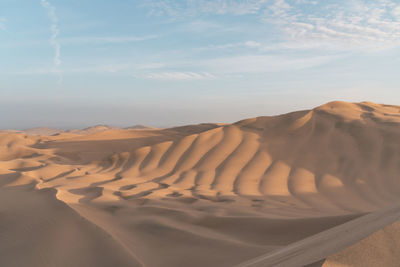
pixel 205 195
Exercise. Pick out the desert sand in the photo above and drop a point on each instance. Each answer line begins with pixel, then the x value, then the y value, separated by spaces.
pixel 318 187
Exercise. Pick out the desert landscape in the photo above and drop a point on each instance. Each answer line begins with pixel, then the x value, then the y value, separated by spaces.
pixel 317 187
pixel 199 133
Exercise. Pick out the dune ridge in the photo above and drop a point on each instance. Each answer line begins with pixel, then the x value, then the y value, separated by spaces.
pixel 228 191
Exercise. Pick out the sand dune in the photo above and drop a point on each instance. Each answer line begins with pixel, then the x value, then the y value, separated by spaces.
pixel 42 131
pixel 204 195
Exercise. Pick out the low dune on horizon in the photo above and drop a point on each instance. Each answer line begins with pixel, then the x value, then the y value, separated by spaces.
pixel 317 187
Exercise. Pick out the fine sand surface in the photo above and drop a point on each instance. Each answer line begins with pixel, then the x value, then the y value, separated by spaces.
pixel 318 187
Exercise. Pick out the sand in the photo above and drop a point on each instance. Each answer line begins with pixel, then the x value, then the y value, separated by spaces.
pixel 317 187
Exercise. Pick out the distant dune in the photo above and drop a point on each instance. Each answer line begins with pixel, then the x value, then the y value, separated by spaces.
pixel 94 129
pixel 299 189
pixel 42 131
pixel 140 127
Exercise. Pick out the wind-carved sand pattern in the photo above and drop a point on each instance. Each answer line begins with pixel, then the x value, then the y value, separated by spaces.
pixel 201 195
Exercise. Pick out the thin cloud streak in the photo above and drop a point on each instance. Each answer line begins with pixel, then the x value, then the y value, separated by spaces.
pixel 189 8
pixel 55 31
pixel 2 23
pixel 106 39
pixel 262 63
pixel 105 68
pixel 209 69
pixel 247 44
pixel 179 76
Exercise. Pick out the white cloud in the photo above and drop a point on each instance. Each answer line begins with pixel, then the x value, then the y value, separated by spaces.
pixel 396 11
pixel 179 76
pixel 347 25
pixel 55 31
pixel 280 9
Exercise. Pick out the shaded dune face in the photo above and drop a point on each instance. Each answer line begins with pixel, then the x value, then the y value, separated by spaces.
pixel 337 161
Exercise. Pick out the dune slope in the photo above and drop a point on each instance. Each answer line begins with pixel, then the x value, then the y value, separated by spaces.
pixel 208 194
pixel 379 249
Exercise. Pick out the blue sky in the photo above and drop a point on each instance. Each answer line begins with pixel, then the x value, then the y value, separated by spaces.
pixel 168 62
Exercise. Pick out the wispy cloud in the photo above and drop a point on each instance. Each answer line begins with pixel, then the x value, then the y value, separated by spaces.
pixel 101 68
pixel 252 44
pixel 222 67
pixel 396 12
pixel 151 65
pixel 107 68
pixel 2 23
pixel 351 24
pixel 106 39
pixel 55 31
pixel 247 44
pixel 191 8
pixel 262 63
pixel 345 24
pixel 179 76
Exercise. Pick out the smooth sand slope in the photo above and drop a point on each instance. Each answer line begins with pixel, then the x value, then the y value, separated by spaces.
pixel 312 182
pixel 379 249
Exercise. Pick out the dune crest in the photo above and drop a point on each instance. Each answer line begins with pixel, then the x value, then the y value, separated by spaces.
pixel 242 189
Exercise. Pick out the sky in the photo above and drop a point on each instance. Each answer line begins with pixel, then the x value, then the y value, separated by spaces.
pixel 75 63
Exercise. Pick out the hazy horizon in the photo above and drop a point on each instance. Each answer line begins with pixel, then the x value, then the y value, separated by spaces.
pixel 164 63
pixel 122 121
